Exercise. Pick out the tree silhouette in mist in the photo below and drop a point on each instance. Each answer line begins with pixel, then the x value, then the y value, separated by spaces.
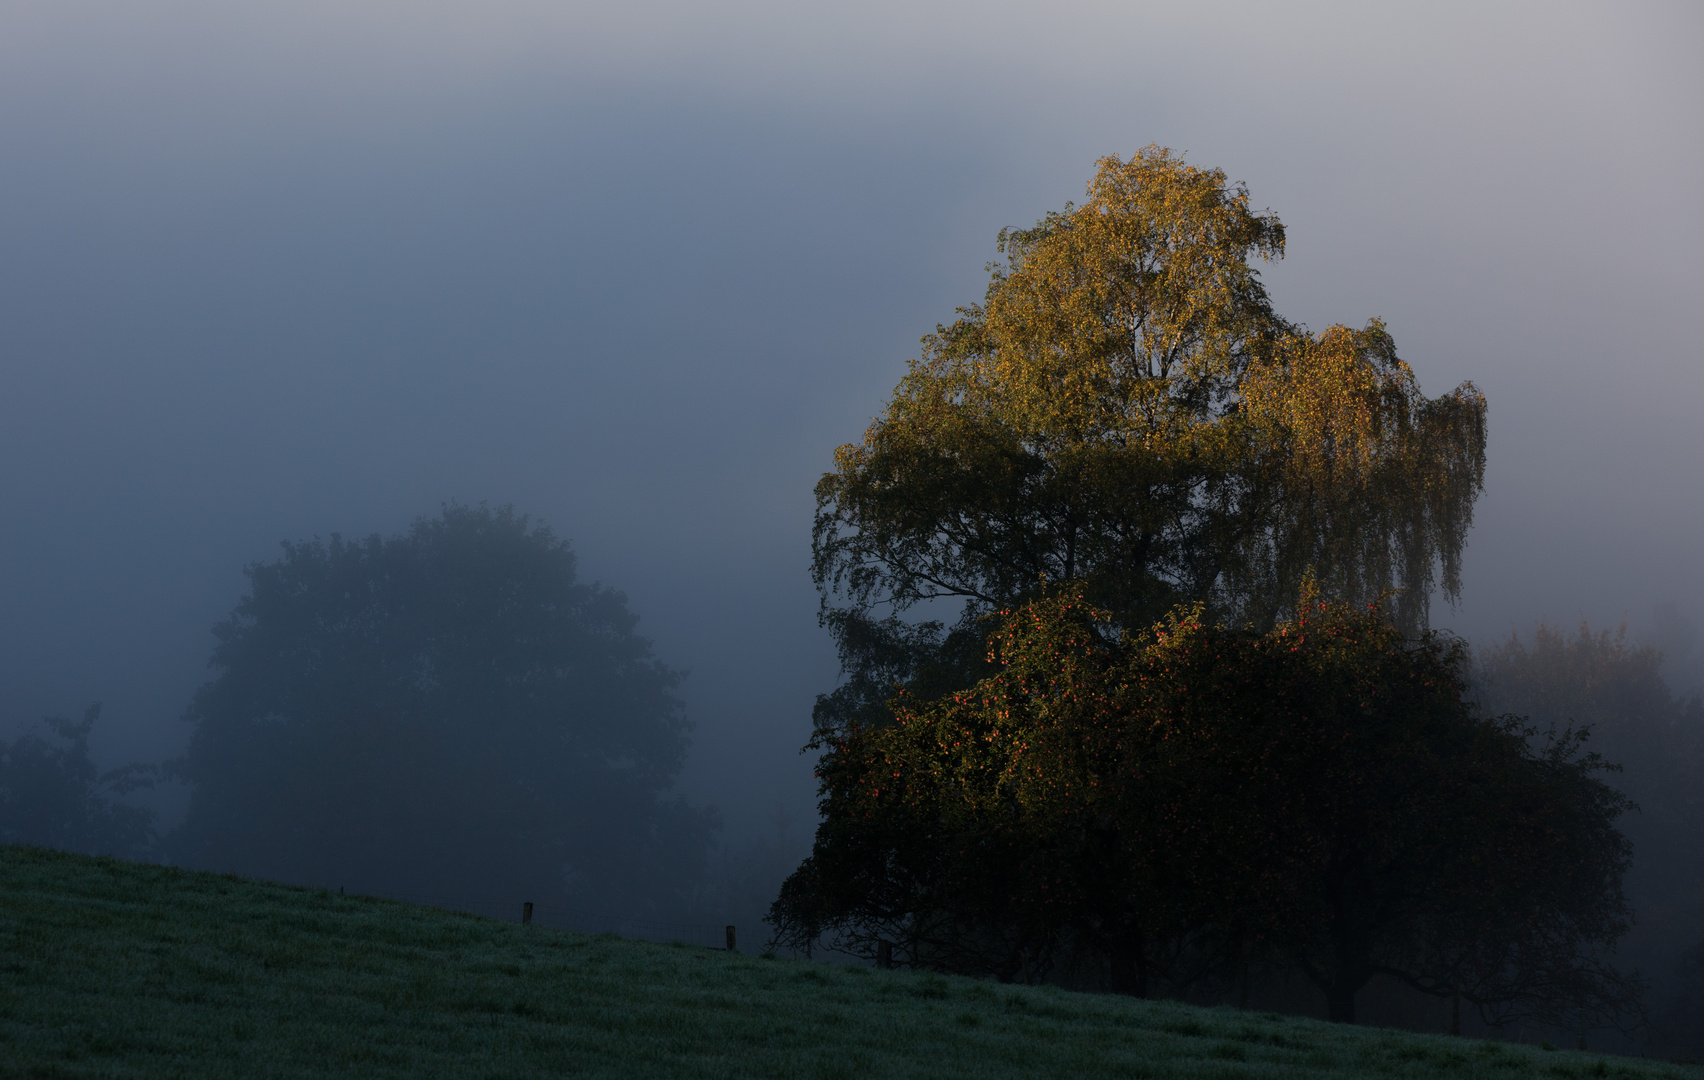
pixel 450 712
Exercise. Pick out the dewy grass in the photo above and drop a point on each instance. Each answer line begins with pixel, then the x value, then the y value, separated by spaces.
pixel 119 969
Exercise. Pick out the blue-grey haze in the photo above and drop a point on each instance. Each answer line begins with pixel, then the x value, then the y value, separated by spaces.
pixel 271 274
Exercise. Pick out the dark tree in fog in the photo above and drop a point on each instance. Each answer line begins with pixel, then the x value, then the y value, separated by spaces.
pixel 1601 682
pixel 445 713
pixel 52 794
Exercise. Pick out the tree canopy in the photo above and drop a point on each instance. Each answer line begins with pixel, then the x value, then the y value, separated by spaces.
pixel 1192 799
pixel 445 713
pixel 1183 712
pixel 1126 411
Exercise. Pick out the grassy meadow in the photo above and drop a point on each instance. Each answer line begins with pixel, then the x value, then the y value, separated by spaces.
pixel 119 969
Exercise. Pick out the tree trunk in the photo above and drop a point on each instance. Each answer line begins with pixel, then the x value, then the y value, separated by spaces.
pixel 1129 966
pixel 1351 966
pixel 1340 1000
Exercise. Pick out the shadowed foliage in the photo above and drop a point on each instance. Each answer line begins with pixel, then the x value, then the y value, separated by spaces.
pixel 1190 799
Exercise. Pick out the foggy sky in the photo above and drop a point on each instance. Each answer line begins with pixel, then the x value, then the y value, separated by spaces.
pixel 266 275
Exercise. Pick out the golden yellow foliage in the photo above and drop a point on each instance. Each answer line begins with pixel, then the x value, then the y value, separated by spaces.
pixel 1125 410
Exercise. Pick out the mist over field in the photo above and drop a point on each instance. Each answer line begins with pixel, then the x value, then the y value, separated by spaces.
pixel 300 272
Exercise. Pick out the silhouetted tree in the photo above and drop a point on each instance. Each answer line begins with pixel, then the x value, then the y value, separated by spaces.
pixel 52 794
pixel 1602 683
pixel 1319 795
pixel 450 712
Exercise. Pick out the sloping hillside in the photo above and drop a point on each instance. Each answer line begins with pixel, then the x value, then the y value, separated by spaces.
pixel 118 969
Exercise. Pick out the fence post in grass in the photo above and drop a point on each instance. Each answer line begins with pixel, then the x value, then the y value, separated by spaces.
pixel 731 947
pixel 1455 1011
pixel 884 954
pixel 526 913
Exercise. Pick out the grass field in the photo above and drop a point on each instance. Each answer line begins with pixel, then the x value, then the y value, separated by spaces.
pixel 118 969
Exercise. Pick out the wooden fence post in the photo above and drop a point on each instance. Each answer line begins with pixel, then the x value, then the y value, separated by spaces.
pixel 526 913
pixel 731 947
pixel 884 954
